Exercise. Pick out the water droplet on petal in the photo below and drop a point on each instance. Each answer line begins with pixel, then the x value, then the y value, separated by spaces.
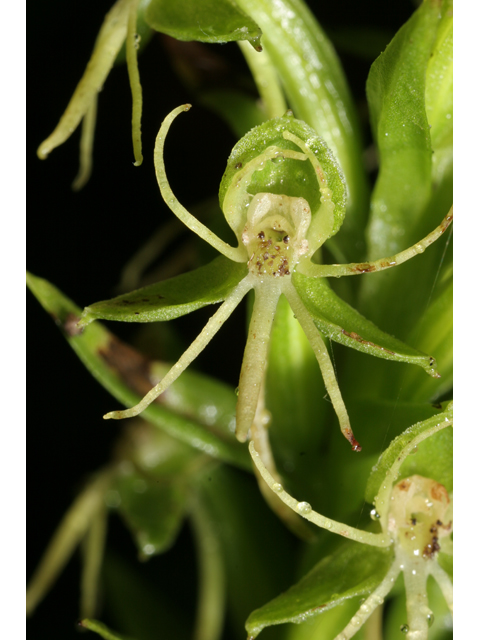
pixel 430 619
pixel 419 248
pixel 374 514
pixel 404 628
pixel 237 390
pixel 277 487
pixel 304 507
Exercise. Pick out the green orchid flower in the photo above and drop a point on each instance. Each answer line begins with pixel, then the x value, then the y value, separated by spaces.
pixel 415 515
pixel 283 195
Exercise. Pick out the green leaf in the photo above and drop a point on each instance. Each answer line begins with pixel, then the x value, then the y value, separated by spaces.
pixel 171 298
pixel 102 630
pixel 352 570
pixel 439 95
pixel 153 509
pixel 317 91
pixel 125 373
pixel 203 20
pixel 339 321
pixel 399 213
pixel 434 462
pixel 434 334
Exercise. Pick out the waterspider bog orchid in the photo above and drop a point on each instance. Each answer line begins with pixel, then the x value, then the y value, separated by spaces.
pixel 415 515
pixel 283 195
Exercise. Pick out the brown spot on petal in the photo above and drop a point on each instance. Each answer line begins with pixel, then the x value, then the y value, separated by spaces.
pixel 355 336
pixel 364 268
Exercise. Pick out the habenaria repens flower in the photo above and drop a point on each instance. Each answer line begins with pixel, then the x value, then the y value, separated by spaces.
pixel 283 195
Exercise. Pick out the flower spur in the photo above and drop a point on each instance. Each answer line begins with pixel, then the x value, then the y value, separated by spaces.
pixel 415 515
pixel 283 195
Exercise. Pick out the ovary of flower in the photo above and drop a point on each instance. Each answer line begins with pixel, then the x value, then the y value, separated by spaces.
pixel 277 235
pixel 419 515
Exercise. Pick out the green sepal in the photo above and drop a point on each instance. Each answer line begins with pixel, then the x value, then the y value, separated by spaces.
pixel 171 298
pixel 434 455
pixel 351 571
pixel 214 21
pixel 153 509
pixel 340 322
pixel 101 629
pixel 125 373
pixel 317 91
pixel 294 178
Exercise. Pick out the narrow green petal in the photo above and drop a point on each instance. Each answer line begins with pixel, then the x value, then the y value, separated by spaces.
pixel 108 44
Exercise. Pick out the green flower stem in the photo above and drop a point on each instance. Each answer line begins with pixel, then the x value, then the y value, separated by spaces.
pixel 212 583
pixel 134 78
pixel 68 535
pixel 94 544
pixel 266 79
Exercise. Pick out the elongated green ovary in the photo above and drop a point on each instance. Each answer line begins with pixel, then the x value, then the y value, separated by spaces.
pixel 354 268
pixel 323 359
pixel 109 42
pixel 197 346
pixel 236 254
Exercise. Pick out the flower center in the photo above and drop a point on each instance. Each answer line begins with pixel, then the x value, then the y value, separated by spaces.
pixel 275 233
pixel 420 515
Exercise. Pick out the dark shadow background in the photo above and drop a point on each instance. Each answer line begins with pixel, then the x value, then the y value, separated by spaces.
pixel 80 241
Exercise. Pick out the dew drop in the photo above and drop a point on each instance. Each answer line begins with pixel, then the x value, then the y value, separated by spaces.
pixel 414 450
pixel 237 390
pixel 277 487
pixel 430 619
pixel 304 507
pixel 374 514
pixel 404 628
pixel 419 248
